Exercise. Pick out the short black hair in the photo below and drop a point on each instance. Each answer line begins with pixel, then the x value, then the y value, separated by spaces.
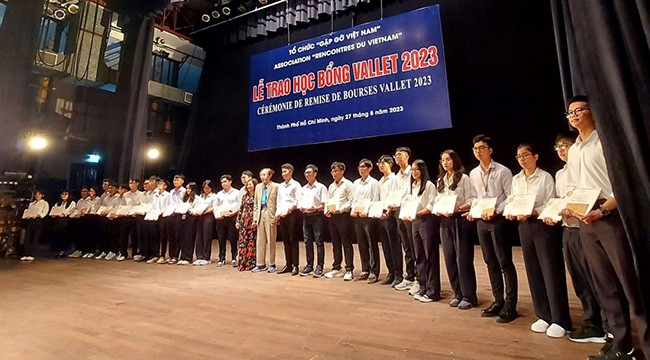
pixel 566 135
pixel 136 180
pixel 287 166
pixel 577 98
pixel 164 181
pixel 124 186
pixel 247 173
pixel 484 138
pixel 154 178
pixel 180 176
pixel 404 149
pixel 312 167
pixel 338 165
pixel 226 176
pixel 366 162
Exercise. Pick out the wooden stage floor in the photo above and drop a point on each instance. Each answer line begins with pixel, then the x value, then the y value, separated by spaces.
pixel 96 309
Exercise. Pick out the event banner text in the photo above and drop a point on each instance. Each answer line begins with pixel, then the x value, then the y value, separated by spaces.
pixel 380 78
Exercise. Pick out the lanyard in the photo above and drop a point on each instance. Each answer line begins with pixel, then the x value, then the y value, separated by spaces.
pixel 485 180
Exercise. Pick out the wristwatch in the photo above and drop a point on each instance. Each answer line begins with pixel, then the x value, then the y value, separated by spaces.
pixel 603 211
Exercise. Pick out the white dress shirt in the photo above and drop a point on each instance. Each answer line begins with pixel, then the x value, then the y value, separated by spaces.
pixel 342 194
pixel 402 182
pixel 463 189
pixel 312 196
pixel 540 183
pixel 228 201
pixel 495 182
pixel 288 194
pixel 427 198
pixel 67 210
pixel 586 166
pixel 365 189
pixel 42 208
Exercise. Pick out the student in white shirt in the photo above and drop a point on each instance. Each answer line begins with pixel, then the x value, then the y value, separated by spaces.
pixel 541 246
pixel 188 225
pixel 60 226
pixel 607 249
pixel 402 185
pixel 289 222
pixel 107 225
pixel 390 241
pixel 491 179
pixel 173 229
pixel 340 224
pixel 426 235
pixel 591 330
pixel 228 201
pixel 205 224
pixel 35 225
pixel 311 203
pixel 77 224
pixel 133 197
pixel 366 188
pixel 456 231
pixel 91 224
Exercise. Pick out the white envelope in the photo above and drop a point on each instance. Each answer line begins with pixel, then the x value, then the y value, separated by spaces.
pixel 582 200
pixel 182 208
pixel 444 204
pixel 485 205
pixel 152 215
pixel 123 210
pixel 376 209
pixel 361 206
pixel 553 209
pixel 519 205
pixel 409 209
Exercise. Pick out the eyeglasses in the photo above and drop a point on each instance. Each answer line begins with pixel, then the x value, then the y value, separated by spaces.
pixel 523 156
pixel 480 148
pixel 560 147
pixel 575 112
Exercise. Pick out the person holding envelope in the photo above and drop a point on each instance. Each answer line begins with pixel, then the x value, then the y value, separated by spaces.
pixel 610 257
pixel 311 203
pixel 38 210
pixel 365 190
pixel 203 208
pixel 455 231
pixel 289 220
pixel 60 229
pixel 227 206
pixel 188 224
pixel 337 211
pixel 541 246
pixel 426 234
pixel 493 180
pixel 391 243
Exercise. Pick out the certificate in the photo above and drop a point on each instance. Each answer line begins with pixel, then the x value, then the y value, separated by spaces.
pixel 182 208
pixel 361 206
pixel 56 211
pixel 332 205
pixel 483 206
pixel 553 209
pixel 201 208
pixel 394 198
pixel 376 209
pixel 220 212
pixel 102 211
pixel 582 200
pixel 283 209
pixel 30 213
pixel 444 204
pixel 141 209
pixel 123 210
pixel 169 210
pixel 409 210
pixel 152 215
pixel 519 205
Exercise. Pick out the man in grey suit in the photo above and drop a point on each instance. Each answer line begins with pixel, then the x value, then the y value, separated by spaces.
pixel 266 193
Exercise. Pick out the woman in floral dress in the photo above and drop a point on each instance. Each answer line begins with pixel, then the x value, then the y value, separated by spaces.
pixel 247 232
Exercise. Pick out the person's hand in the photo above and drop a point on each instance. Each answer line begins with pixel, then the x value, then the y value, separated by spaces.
pixel 237 226
pixel 549 221
pixel 591 216
pixel 468 216
pixel 522 217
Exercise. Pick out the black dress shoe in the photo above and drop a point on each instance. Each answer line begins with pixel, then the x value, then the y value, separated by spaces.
pixel 285 269
pixel 507 314
pixel 388 280
pixel 492 311
pixel 294 271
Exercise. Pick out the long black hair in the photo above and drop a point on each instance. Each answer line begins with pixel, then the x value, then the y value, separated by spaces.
pixel 459 170
pixel 67 202
pixel 424 175
pixel 190 196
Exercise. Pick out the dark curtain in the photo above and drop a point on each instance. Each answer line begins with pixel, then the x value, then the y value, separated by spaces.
pixel 135 72
pixel 18 45
pixel 604 52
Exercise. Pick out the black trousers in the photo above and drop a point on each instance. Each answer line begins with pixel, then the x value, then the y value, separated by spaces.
pixel 290 230
pixel 129 236
pixel 152 239
pixel 611 261
pixel 91 233
pixel 541 246
pixel 457 247
pixel 33 235
pixel 313 226
pixel 142 235
pixel 226 231
pixel 426 242
pixel 392 247
pixel 204 232
pixel 60 234
pixel 583 283
pixel 340 226
pixel 75 226
pixel 109 235
pixel 188 225
pixel 497 254
pixel 368 239
pixel 405 233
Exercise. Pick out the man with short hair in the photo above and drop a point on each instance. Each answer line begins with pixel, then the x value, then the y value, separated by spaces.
pixel 289 222
pixel 311 203
pixel 266 201
pixel 391 244
pixel 340 224
pixel 226 209
pixel 402 185
pixel 159 245
pixel 173 221
pixel 608 252
pixel 493 180
pixel 366 189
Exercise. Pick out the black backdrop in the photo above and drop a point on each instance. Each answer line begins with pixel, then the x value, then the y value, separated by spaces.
pixel 503 81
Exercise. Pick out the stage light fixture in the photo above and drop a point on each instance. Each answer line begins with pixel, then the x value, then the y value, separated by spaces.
pixel 263 2
pixel 215 14
pixel 225 2
pixel 226 10
pixel 37 142
pixel 59 14
pixel 205 18
pixel 153 153
pixel 246 5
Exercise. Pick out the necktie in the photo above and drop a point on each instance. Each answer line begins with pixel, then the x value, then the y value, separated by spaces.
pixel 264 196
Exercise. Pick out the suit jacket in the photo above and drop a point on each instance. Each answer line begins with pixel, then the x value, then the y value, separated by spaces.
pixel 271 202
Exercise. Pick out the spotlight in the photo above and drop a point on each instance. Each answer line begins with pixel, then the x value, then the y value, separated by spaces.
pixel 205 18
pixel 246 5
pixel 226 10
pixel 37 142
pixel 215 14
pixel 153 153
pixel 74 9
pixel 59 14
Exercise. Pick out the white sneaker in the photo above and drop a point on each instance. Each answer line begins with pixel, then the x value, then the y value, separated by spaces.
pixel 29 258
pixel 404 285
pixel 415 288
pixel 152 260
pixel 161 260
pixel 121 258
pixel 332 273
pixel 100 256
pixel 76 254
pixel 205 262
pixel 138 258
pixel 197 262
pixel 348 276
pixel 539 326
pixel 183 262
pixel 110 256
pixel 555 331
pixel 24 258
pixel 88 255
